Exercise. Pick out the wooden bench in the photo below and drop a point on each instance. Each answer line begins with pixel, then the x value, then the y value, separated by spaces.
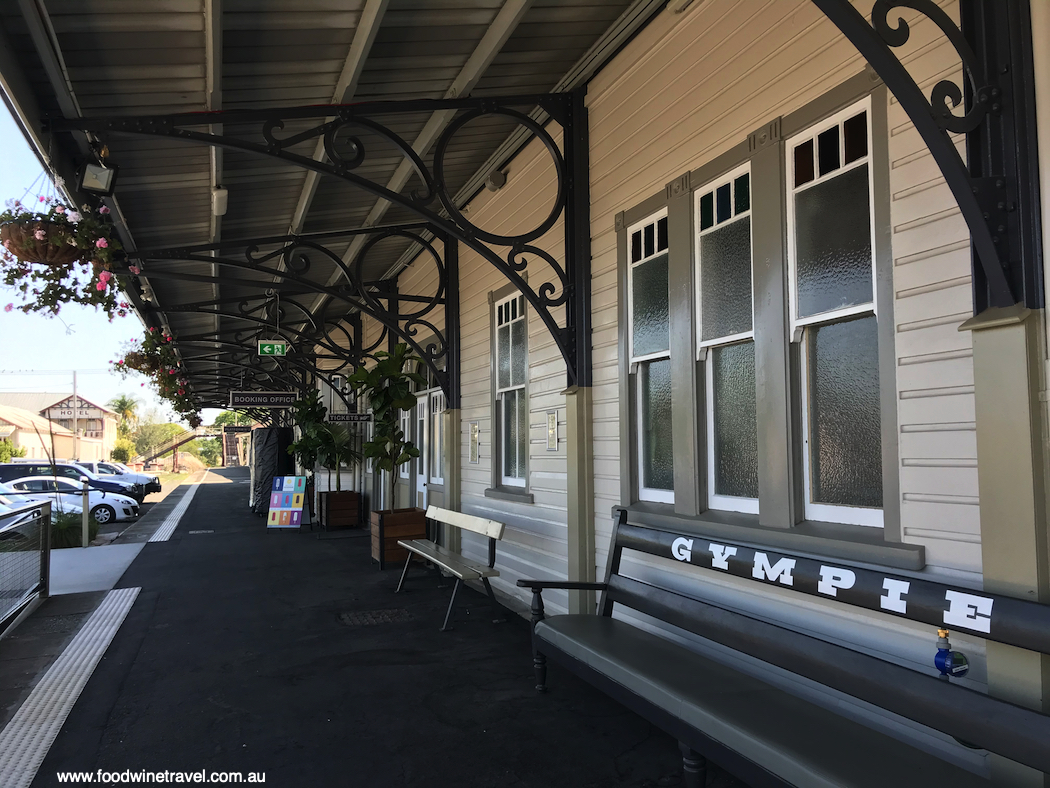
pixel 453 563
pixel 763 734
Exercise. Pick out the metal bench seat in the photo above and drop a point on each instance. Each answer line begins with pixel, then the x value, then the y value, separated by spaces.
pixel 746 725
pixel 445 559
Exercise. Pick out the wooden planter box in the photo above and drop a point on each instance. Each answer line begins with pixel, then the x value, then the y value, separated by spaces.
pixel 389 526
pixel 339 509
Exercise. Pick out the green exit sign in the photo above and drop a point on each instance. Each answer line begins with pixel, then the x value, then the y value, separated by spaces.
pixel 273 347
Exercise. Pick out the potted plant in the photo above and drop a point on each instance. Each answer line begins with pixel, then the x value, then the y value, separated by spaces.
pixel 58 255
pixel 388 386
pixel 308 414
pixel 338 508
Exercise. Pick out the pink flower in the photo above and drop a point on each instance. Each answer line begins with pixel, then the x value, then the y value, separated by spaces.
pixel 101 286
pixel 152 329
pixel 60 209
pixel 101 243
pixel 41 199
pixel 134 269
pixel 120 361
pixel 182 391
pixel 74 216
pixel 142 384
pixel 40 235
pixel 105 276
pixel 103 210
pixel 171 372
pixel 9 307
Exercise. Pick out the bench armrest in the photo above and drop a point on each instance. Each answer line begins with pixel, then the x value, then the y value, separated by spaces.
pixel 539 585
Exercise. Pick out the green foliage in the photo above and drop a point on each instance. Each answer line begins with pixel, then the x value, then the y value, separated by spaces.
pixel 207 450
pixel 335 447
pixel 126 408
pixel 67 530
pixel 234 419
pixel 309 414
pixel 123 450
pixel 8 450
pixel 388 386
pixel 149 436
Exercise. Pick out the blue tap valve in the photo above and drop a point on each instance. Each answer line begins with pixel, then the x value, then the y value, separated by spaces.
pixel 951 664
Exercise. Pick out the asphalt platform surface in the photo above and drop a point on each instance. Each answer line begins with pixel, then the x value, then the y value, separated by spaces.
pixel 288 655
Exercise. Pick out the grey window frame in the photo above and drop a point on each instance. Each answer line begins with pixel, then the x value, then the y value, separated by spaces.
pixel 780 522
pixel 497 489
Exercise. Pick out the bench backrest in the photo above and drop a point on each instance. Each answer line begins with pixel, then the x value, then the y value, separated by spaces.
pixel 468 522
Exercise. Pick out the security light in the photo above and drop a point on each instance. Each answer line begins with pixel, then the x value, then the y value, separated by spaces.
pixel 97 179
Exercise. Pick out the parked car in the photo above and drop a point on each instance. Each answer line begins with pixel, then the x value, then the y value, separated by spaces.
pixel 9 471
pixel 67 496
pixel 123 473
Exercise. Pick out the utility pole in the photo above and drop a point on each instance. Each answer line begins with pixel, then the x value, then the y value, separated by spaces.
pixel 76 413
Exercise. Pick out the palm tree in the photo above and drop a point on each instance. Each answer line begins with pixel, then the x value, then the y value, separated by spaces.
pixel 126 408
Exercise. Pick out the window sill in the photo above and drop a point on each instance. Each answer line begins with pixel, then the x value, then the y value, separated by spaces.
pixel 822 540
pixel 509 494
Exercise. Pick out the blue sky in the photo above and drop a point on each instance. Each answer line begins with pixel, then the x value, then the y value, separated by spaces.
pixel 39 353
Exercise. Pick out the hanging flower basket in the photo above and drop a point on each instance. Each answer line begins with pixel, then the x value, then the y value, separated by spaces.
pixel 155 357
pixel 58 255
pixel 41 242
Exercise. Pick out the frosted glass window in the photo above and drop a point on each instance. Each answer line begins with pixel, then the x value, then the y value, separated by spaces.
pixel 844 418
pixel 650 316
pixel 512 373
pixel 833 244
pixel 657 463
pixel 510 434
pixel 517 355
pixel 725 280
pixel 503 356
pixel 735 433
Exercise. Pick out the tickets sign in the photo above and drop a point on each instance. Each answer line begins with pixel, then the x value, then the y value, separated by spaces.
pixel 287 495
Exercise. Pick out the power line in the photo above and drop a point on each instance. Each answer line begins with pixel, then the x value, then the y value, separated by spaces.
pixel 54 371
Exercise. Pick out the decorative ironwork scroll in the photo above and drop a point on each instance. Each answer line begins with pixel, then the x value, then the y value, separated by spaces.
pixel 986 199
pixel 348 133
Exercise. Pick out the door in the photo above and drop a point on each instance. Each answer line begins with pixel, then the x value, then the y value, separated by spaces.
pixel 422 444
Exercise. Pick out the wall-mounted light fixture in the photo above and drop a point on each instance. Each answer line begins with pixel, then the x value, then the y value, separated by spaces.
pixel 220 201
pixel 97 179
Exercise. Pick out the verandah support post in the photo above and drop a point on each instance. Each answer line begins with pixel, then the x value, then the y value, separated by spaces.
pixel 452 416
pixel 578 398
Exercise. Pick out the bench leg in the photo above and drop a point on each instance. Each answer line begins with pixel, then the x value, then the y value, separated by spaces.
pixel 404 574
pixel 501 614
pixel 694 767
pixel 539 667
pixel 448 615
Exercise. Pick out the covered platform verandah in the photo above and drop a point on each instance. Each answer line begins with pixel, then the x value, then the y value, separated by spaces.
pixel 289 655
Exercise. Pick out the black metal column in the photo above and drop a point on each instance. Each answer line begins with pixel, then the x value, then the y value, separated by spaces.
pixel 578 237
pixel 452 358
pixel 1002 151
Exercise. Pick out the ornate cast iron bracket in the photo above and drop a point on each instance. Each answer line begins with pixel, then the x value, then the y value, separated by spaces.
pixel 986 199
pixel 344 138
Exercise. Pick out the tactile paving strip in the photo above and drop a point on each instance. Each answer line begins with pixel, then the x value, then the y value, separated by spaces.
pixel 171 522
pixel 31 732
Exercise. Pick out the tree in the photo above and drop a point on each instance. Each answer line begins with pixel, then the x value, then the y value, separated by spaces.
pixel 8 450
pixel 123 450
pixel 126 408
pixel 150 436
pixel 233 418
pixel 207 450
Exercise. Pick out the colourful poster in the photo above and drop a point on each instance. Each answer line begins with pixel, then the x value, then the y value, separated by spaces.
pixel 286 502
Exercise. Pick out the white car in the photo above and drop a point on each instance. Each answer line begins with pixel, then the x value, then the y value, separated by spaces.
pixel 67 496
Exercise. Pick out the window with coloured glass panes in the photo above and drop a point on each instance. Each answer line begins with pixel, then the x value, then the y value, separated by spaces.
pixel 511 371
pixel 833 316
pixel 725 339
pixel 648 312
